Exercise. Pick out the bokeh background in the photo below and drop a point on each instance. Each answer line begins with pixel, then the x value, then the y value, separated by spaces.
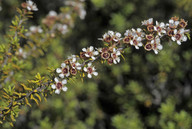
pixel 144 91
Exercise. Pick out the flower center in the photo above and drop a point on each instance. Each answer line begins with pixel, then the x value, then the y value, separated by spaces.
pixel 148 47
pixel 135 42
pixel 159 29
pixel 59 85
pixel 149 37
pixel 150 28
pixel 73 71
pixel 110 61
pixel 65 70
pixel 178 36
pixel 105 55
pixel 182 24
pixel 90 70
pixel 108 39
pixel 126 40
pixel 170 33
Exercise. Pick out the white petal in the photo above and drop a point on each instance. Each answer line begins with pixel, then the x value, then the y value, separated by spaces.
pixel 156 52
pixel 86 55
pixel 61 75
pixel 114 61
pixel 64 88
pixel 67 74
pixel 155 28
pixel 138 29
pixel 136 47
pixel 89 76
pixel 118 34
pixel 89 64
pixel 93 57
pixel 95 52
pixel 56 80
pixel 179 42
pixel 118 59
pixel 173 38
pixel 162 24
pixel 131 42
pixel 140 44
pixel 64 81
pixel 181 31
pixel 78 68
pixel 84 49
pixel 58 70
pixel 171 21
pixel 91 48
pixel 63 65
pixel 139 39
pixel 85 69
pixel 57 91
pixel 53 86
pixel 118 53
pixel 160 47
pixel 95 73
pixel 175 31
pixel 184 38
pixel 176 23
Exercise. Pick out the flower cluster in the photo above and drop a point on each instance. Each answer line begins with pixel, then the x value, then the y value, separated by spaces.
pixel 30 5
pixel 149 38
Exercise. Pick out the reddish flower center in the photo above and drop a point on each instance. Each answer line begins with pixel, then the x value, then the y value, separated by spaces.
pixel 59 85
pixel 73 71
pixel 170 33
pixel 150 28
pixel 108 39
pixel 90 53
pixel 149 37
pixel 105 55
pixel 178 36
pixel 126 40
pixel 135 42
pixel 110 61
pixel 159 29
pixel 148 47
pixel 114 55
pixel 182 24
pixel 90 70
pixel 65 70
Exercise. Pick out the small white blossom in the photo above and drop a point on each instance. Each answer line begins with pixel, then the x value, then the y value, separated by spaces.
pixel 63 71
pixel 31 6
pixel 90 70
pixel 156 45
pixel 59 85
pixel 90 52
pixel 62 28
pixel 115 55
pixel 179 36
pixel 147 22
pixel 160 28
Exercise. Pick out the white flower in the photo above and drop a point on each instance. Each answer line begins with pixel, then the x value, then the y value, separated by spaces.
pixel 115 55
pixel 62 28
pixel 160 28
pixel 136 41
pixel 59 85
pixel 90 52
pixel 179 36
pixel 63 71
pixel 36 29
pixel 147 22
pixel 74 63
pixel 172 23
pixel 156 46
pixel 52 13
pixel 90 70
pixel 31 6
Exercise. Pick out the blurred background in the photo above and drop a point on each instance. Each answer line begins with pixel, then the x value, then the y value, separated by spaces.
pixel 144 91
